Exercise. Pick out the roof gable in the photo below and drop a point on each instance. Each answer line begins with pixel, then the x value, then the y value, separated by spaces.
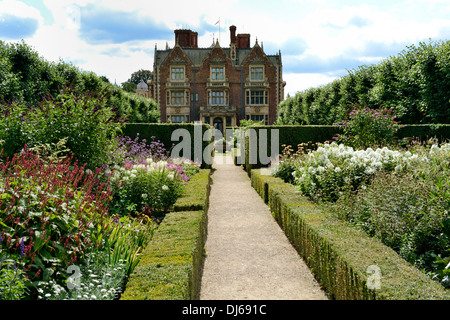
pixel 176 55
pixel 217 55
pixel 257 55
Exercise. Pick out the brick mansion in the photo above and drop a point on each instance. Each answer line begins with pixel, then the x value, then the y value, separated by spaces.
pixel 215 85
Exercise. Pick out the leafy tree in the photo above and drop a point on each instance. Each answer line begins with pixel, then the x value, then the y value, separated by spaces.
pixel 139 75
pixel 129 86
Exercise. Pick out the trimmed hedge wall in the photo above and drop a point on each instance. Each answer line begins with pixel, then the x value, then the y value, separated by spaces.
pixel 163 133
pixel 169 268
pixel 339 255
pixel 425 131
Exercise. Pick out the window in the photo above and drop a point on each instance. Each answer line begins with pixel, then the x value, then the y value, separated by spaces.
pixel 256 97
pixel 177 98
pixel 258 118
pixel 217 73
pixel 177 73
pixel 178 118
pixel 256 73
pixel 217 97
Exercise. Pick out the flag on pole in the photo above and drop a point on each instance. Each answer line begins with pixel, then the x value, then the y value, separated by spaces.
pixel 217 22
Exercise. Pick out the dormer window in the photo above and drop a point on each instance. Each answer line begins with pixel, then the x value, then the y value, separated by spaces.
pixel 177 73
pixel 217 73
pixel 257 73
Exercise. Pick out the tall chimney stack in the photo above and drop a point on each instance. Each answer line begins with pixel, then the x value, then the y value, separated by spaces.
pixel 186 38
pixel 243 40
pixel 232 34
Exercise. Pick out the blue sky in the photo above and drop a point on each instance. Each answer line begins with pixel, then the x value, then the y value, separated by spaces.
pixel 320 40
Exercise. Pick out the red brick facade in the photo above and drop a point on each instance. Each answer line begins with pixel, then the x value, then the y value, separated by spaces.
pixel 217 85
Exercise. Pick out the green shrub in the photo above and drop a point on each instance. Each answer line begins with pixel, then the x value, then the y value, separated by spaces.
pixel 13 283
pixel 149 188
pixel 367 127
pixel 82 118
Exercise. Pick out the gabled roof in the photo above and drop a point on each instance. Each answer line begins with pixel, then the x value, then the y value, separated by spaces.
pixel 198 55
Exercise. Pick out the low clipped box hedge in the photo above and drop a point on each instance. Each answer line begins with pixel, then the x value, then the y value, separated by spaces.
pixel 196 196
pixel 169 268
pixel 341 257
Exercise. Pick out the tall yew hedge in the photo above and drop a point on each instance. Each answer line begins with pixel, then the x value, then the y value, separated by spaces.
pixel 416 83
pixel 27 77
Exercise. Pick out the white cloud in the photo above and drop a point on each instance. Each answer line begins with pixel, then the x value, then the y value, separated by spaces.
pixel 296 82
pixel 19 9
pixel 328 33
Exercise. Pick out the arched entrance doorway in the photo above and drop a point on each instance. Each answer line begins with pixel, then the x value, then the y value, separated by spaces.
pixel 218 124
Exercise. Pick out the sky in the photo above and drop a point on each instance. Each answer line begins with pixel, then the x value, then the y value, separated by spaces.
pixel 319 40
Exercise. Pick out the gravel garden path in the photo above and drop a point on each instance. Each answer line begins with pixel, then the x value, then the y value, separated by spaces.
pixel 248 257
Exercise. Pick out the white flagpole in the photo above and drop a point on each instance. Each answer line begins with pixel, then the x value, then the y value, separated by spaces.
pixel 218 22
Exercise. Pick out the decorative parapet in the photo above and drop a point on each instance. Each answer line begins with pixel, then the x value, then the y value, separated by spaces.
pixel 177 84
pixel 257 84
pixel 218 109
pixel 222 84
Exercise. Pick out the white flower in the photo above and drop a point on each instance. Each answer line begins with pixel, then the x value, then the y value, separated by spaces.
pixel 165 188
pixel 171 176
pixel 434 149
pixel 337 169
pixel 377 164
pixel 144 196
pixel 398 167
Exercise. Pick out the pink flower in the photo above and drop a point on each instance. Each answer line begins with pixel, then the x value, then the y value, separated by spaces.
pixel 127 165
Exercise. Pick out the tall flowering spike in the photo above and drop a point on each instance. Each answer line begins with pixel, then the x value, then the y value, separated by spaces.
pixel 22 249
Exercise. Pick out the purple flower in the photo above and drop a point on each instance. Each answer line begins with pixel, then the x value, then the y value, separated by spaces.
pixel 22 249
